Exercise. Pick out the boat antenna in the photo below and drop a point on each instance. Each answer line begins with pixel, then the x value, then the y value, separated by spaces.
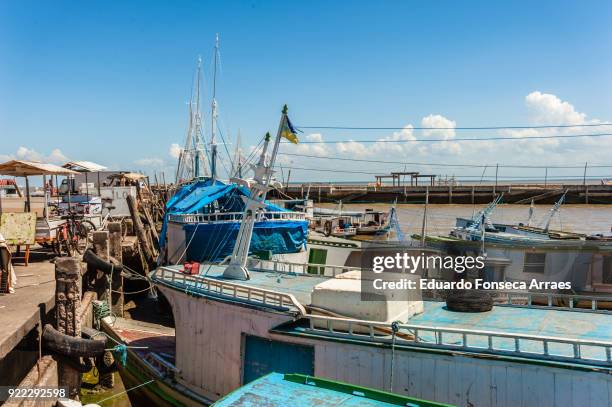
pixel 254 203
pixel 531 211
pixel 555 208
pixel 213 116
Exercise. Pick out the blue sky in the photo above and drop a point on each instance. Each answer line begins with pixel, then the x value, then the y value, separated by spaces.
pixel 109 81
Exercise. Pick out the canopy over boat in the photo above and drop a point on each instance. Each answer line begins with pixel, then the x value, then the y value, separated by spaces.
pixel 213 238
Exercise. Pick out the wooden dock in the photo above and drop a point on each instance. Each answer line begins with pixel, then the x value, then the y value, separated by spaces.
pixel 21 314
pixel 448 194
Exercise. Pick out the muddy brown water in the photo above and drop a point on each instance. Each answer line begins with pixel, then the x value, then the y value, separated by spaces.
pixel 589 219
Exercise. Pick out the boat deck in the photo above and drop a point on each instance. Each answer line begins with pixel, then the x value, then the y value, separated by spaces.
pixel 561 334
pixel 145 337
pixel 300 286
pixel 529 321
pixel 278 390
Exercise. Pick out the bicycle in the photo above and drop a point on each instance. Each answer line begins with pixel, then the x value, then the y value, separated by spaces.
pixel 72 236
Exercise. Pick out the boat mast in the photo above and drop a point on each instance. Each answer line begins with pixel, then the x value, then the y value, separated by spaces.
pixel 213 116
pixel 555 208
pixel 237 162
pixel 254 203
pixel 198 145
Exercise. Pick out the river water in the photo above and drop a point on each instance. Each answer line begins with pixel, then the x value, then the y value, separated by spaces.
pixel 589 219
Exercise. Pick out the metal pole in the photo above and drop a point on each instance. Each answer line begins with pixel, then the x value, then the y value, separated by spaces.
pixel 424 226
pixel 584 176
pixel 496 171
pixel 546 177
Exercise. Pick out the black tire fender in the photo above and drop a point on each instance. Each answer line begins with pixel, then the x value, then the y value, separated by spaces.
pixel 98 263
pixel 82 365
pixel 469 301
pixel 70 346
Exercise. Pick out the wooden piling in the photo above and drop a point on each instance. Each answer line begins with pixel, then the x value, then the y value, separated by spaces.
pixel 149 219
pixel 67 304
pixel 115 234
pixel 141 233
pixel 100 246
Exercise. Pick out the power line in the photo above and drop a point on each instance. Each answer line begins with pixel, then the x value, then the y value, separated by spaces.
pixel 546 126
pixel 440 164
pixel 458 176
pixel 509 177
pixel 432 140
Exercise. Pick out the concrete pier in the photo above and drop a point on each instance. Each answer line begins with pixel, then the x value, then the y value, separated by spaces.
pixel 448 194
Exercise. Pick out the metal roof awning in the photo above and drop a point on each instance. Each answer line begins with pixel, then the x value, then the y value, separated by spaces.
pixel 20 168
pixel 84 166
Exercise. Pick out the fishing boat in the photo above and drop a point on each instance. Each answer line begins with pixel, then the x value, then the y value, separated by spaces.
pixel 341 222
pixel 245 318
pixel 202 219
pixel 337 226
pixel 523 252
pixel 281 390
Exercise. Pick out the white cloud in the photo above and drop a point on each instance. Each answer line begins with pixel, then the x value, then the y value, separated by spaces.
pixel 318 137
pixel 440 126
pixel 175 150
pixel 352 148
pixel 317 147
pixel 57 156
pixel 546 108
pixel 150 162
pixel 28 154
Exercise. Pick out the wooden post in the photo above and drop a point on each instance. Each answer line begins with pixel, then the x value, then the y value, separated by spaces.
pixel 28 201
pixel 141 232
pixel 115 233
pixel 149 219
pixel 67 304
pixel 100 245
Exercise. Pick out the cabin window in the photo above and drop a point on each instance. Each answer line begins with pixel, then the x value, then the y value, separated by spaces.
pixel 535 263
pixel 606 271
pixel 317 256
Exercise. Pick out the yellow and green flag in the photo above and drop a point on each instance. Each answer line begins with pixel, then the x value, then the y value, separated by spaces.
pixel 289 132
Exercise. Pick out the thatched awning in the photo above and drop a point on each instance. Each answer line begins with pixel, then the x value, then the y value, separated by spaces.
pixel 20 168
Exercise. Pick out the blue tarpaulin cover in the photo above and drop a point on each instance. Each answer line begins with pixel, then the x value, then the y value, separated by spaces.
pixel 215 241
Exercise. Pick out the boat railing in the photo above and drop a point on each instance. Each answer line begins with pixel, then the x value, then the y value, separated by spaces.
pixel 280 266
pixel 575 302
pixel 524 345
pixel 222 217
pixel 196 284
